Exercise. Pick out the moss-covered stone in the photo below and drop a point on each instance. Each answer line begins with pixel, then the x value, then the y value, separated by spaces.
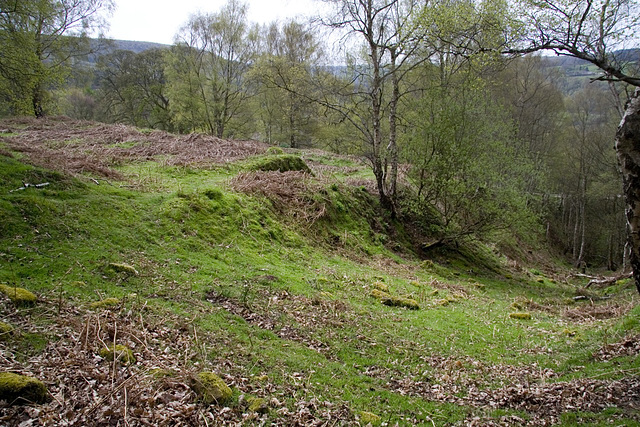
pixel 19 297
pixel 520 315
pixel 381 287
pixel 20 389
pixel 121 353
pixel 123 268
pixel 105 303
pixel 378 294
pixel 257 404
pixel 368 418
pixel 283 163
pixel 394 301
pixel 211 389
pixel 6 330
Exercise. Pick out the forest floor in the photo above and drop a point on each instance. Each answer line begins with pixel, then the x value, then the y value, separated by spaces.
pixel 266 279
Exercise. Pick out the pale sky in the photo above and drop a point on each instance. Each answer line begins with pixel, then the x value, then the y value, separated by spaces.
pixel 159 20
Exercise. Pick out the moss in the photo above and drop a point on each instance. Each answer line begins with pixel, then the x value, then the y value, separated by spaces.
pixel 105 303
pixel 284 163
pixel 213 193
pixel 123 268
pixel 18 296
pixel 6 331
pixel 121 353
pixel 20 389
pixel 394 301
pixel 378 294
pixel 368 418
pixel 381 287
pixel 211 389
pixel 257 404
pixel 523 315
pixel 275 151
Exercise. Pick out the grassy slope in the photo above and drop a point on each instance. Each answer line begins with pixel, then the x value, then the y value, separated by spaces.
pixel 282 307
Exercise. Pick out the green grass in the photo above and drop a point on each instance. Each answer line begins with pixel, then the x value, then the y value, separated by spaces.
pixel 188 234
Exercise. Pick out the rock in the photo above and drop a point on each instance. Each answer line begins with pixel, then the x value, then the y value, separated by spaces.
pixel 121 353
pixel 21 389
pixel 211 389
pixel 520 315
pixel 18 296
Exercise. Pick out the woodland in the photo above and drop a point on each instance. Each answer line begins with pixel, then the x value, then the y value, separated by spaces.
pixel 398 212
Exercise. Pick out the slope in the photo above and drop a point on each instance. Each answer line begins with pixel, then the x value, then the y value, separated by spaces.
pixel 183 249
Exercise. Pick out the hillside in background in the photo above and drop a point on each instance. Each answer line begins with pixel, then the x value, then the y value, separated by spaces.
pixel 276 271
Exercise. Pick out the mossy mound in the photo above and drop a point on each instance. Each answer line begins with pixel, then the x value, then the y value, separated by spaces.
pixel 394 301
pixel 275 150
pixel 123 268
pixel 6 330
pixel 381 287
pixel 368 418
pixel 257 404
pixel 20 389
pixel 211 389
pixel 121 353
pixel 283 163
pixel 105 303
pixel 18 296
pixel 520 315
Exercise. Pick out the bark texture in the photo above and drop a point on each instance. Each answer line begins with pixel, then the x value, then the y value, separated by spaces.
pixel 628 151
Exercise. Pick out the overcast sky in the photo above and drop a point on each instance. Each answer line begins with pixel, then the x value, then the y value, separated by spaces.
pixel 159 20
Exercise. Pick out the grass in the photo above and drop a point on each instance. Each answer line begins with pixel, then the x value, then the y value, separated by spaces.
pixel 187 234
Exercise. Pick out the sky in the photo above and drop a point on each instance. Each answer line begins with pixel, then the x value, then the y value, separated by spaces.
pixel 159 20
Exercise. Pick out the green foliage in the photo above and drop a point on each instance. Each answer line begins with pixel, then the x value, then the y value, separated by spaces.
pixel 21 389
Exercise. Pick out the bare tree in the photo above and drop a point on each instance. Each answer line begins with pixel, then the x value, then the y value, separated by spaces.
pixel 596 31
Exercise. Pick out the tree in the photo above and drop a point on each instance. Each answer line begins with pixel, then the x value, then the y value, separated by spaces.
pixel 38 38
pixel 213 54
pixel 133 88
pixel 291 58
pixel 596 31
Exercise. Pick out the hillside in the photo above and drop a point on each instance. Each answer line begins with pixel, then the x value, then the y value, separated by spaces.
pixel 313 308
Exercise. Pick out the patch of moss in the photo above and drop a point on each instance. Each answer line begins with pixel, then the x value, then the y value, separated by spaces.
pixel 368 418
pixel 522 315
pixel 6 331
pixel 213 193
pixel 19 297
pixel 105 303
pixel 283 163
pixel 378 294
pixel 211 389
pixel 275 151
pixel 394 301
pixel 381 287
pixel 121 353
pixel 257 404
pixel 123 268
pixel 21 389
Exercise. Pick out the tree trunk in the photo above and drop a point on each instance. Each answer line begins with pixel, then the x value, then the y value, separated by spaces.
pixel 628 151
